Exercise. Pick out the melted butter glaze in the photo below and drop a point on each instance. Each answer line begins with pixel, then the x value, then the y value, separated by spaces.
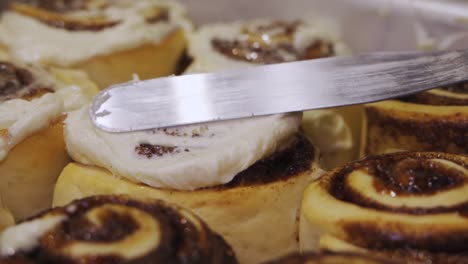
pixel 404 174
pixel 182 241
pixel 412 176
pixel 271 43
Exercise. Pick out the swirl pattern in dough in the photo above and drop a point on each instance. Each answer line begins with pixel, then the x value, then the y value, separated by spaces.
pixel 435 120
pixel 110 40
pixel 402 202
pixel 114 229
pixel 329 258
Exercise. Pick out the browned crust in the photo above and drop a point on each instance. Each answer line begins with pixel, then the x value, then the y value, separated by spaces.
pixel 429 98
pixel 182 241
pixel 280 166
pixel 384 169
pixel 434 99
pixel 431 134
pixel 329 258
pixel 412 256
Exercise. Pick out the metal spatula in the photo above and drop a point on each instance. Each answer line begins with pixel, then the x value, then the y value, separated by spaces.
pixel 273 89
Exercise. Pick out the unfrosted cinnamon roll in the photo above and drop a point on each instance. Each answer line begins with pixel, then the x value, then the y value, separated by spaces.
pixel 6 218
pixel 244 177
pixel 236 45
pixel 407 206
pixel 114 229
pixel 435 120
pixel 329 258
pixel 110 40
pixel 32 149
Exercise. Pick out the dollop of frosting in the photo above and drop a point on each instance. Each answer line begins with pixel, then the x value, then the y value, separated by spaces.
pixel 182 158
pixel 241 44
pixel 31 105
pixel 97 28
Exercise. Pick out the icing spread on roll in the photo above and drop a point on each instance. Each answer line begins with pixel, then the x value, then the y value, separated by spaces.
pixel 406 200
pixel 31 98
pixel 184 158
pixel 236 45
pixel 241 44
pixel 87 27
pixel 114 229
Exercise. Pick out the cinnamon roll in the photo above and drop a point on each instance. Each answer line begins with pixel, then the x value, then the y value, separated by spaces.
pixel 329 258
pixel 245 44
pixel 32 149
pixel 6 218
pixel 435 120
pixel 114 229
pixel 407 206
pixel 244 177
pixel 110 40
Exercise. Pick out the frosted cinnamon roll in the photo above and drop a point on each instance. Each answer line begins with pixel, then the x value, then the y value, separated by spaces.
pixel 242 44
pixel 406 206
pixel 236 45
pixel 110 40
pixel 114 229
pixel 244 177
pixel 436 120
pixel 32 149
pixel 329 258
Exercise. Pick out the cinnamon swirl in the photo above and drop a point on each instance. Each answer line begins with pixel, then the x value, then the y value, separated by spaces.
pixel 436 120
pixel 329 258
pixel 245 177
pixel 245 44
pixel 110 40
pixel 32 149
pixel 407 206
pixel 114 229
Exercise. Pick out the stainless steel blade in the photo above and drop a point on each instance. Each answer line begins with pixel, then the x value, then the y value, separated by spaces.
pixel 273 89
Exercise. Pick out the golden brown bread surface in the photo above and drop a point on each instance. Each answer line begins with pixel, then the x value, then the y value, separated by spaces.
pixel 149 59
pixel 408 206
pixel 248 212
pixel 329 258
pixel 435 120
pixel 30 168
pixel 117 229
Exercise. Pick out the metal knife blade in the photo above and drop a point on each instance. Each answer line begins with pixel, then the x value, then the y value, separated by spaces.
pixel 272 89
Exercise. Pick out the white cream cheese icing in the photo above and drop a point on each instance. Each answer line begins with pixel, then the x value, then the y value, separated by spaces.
pixel 33 41
pixel 21 118
pixel 25 236
pixel 328 130
pixel 190 157
pixel 207 59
